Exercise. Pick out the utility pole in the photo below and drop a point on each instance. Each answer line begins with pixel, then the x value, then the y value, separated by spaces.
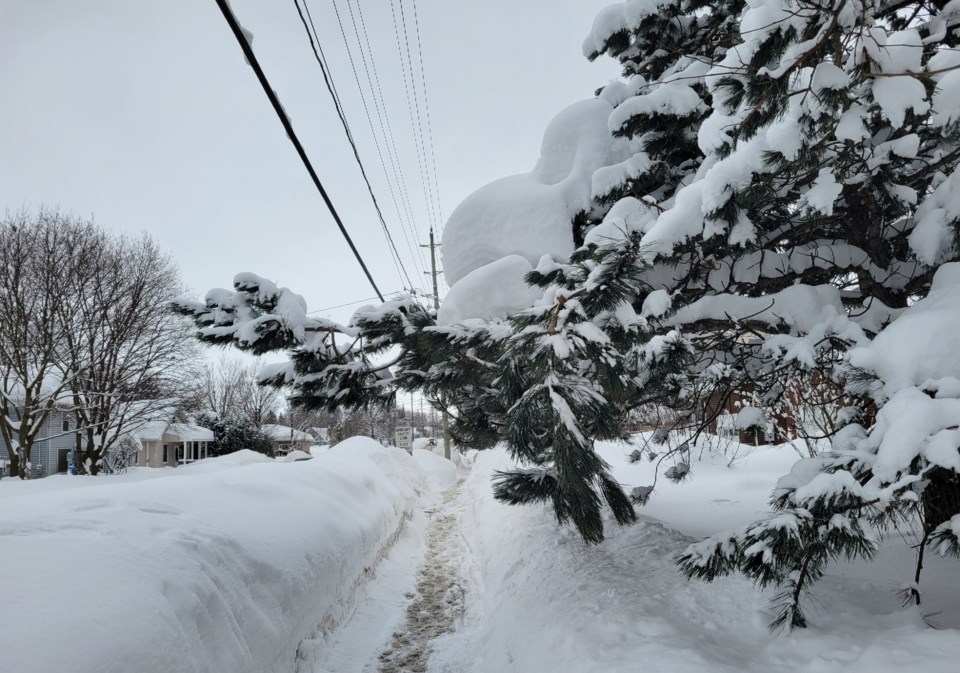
pixel 436 305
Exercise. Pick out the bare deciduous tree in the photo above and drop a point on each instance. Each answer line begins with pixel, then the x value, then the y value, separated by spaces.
pixel 132 357
pixel 84 330
pixel 38 256
pixel 231 392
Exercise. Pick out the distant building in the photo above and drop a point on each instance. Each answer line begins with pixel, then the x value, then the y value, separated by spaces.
pixel 287 439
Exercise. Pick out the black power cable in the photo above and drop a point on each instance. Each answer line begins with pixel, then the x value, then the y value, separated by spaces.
pixel 278 108
pixel 328 80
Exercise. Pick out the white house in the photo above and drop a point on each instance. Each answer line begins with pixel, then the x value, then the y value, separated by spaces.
pixel 164 444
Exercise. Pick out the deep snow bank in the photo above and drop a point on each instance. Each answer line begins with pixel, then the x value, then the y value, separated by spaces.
pixel 224 566
pixel 540 601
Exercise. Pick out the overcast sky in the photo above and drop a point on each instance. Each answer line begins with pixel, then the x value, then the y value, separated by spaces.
pixel 145 116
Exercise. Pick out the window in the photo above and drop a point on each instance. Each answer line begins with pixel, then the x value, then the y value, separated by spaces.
pixel 164 453
pixel 66 425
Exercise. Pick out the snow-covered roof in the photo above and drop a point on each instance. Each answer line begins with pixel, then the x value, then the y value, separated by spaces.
pixel 153 431
pixel 190 433
pixel 284 433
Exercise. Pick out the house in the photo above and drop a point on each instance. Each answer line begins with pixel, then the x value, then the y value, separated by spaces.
pixel 50 452
pixel 286 439
pixel 164 444
pixel 161 443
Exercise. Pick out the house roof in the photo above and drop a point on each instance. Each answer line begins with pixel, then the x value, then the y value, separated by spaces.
pixel 284 433
pixel 151 431
pixel 154 431
pixel 190 433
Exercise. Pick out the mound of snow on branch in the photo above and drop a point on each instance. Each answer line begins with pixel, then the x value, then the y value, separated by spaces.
pixel 530 214
pixel 496 290
pixel 225 566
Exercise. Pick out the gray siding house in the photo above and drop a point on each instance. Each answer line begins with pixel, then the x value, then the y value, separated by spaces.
pixel 56 440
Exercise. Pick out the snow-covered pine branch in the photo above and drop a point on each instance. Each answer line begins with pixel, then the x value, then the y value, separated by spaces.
pixel 763 198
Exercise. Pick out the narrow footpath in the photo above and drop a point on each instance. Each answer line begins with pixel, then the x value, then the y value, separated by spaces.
pixel 439 599
pixel 415 594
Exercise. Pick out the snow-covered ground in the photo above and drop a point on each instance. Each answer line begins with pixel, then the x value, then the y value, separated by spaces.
pixel 539 600
pixel 368 560
pixel 225 565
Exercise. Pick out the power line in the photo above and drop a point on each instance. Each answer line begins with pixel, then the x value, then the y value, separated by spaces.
pixel 328 80
pixel 388 134
pixel 377 101
pixel 349 303
pixel 428 199
pixel 390 184
pixel 426 102
pixel 366 110
pixel 291 134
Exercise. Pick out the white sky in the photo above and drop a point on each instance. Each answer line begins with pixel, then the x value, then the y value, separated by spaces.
pixel 144 115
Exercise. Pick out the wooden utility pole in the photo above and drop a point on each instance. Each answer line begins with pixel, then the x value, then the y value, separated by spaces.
pixel 436 305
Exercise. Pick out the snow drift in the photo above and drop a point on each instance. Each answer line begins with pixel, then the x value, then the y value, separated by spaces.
pixel 223 567
pixel 543 601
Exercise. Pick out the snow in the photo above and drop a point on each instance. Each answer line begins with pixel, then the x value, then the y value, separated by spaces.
pixel 916 362
pixel 188 432
pixel 670 98
pixel 151 431
pixel 932 238
pixel 616 18
pixel 608 22
pixel 538 599
pixel 921 344
pixel 829 76
pixel 626 215
pixel 749 417
pixel 851 125
pixel 294 456
pixel 495 290
pixel 529 214
pixel 656 304
pixel 439 471
pixel 284 433
pixel 220 566
pixel 896 95
pixel 335 565
pixel 801 306
pixel 824 192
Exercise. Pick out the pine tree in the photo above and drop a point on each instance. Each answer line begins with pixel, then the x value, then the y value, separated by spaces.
pixel 790 193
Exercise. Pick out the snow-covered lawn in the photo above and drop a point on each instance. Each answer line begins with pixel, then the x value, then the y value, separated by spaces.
pixel 225 565
pixel 540 601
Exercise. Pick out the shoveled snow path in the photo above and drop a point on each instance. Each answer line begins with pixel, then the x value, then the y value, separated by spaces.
pixel 439 599
pixel 412 596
